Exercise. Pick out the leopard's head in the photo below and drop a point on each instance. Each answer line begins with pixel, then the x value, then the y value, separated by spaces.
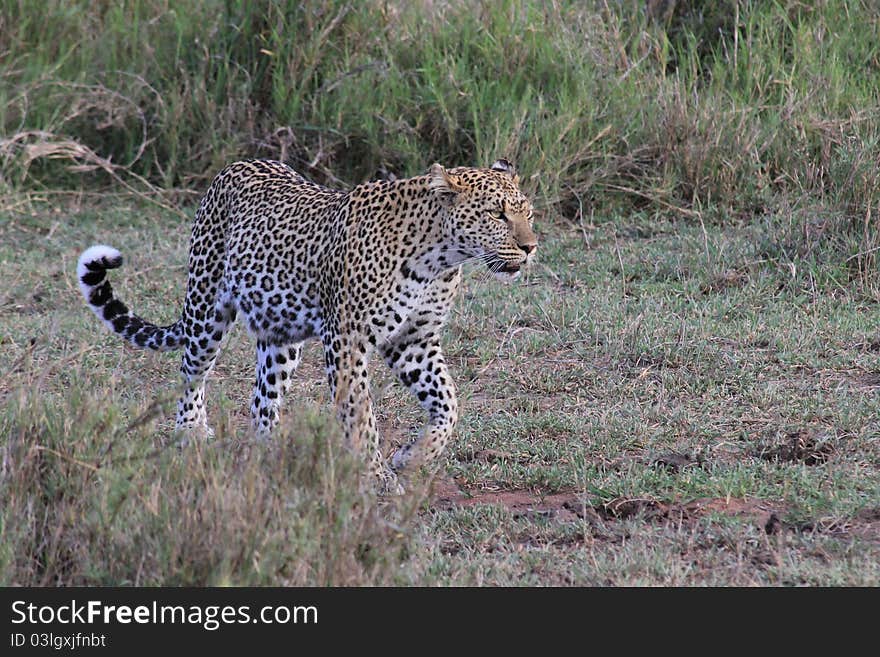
pixel 487 216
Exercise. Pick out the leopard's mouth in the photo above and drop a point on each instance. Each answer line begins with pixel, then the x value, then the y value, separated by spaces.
pixel 498 266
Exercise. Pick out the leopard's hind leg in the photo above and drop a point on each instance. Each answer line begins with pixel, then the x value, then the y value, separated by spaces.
pixel 275 369
pixel 199 355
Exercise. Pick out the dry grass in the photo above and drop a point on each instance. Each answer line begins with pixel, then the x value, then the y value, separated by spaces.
pixel 90 498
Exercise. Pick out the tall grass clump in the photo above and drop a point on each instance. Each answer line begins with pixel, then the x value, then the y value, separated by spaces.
pixel 697 110
pixel 89 498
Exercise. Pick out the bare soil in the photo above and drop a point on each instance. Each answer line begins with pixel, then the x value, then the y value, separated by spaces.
pixel 570 506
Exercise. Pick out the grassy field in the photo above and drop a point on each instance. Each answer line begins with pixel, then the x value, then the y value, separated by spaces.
pixel 684 390
pixel 653 404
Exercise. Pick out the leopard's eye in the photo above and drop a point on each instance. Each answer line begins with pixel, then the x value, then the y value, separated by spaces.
pixel 500 216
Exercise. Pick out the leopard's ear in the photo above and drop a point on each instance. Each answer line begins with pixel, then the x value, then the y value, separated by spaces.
pixel 505 166
pixel 443 182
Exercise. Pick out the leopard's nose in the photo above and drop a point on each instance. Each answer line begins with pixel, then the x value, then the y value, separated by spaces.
pixel 528 248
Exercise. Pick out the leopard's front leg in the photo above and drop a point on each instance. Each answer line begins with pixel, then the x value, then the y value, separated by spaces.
pixel 346 359
pixel 420 366
pixel 415 356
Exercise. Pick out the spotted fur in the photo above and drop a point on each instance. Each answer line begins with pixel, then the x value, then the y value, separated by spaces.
pixel 373 269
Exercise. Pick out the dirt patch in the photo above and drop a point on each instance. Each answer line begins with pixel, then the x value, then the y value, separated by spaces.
pixel 869 380
pixel 494 456
pixel 448 494
pixel 865 525
pixel 757 512
pixel 676 461
pixel 871 345
pixel 803 446
pixel 626 507
pixel 572 506
pixel 644 360
pixel 730 278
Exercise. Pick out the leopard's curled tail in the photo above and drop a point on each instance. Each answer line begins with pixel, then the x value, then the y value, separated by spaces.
pixel 91 271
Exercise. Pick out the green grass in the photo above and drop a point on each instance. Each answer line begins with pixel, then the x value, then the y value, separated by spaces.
pixel 706 110
pixel 583 382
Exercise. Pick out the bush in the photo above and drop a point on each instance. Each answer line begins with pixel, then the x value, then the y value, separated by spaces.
pixel 89 500
pixel 691 109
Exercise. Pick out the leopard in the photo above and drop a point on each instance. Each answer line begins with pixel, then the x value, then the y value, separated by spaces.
pixel 371 270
